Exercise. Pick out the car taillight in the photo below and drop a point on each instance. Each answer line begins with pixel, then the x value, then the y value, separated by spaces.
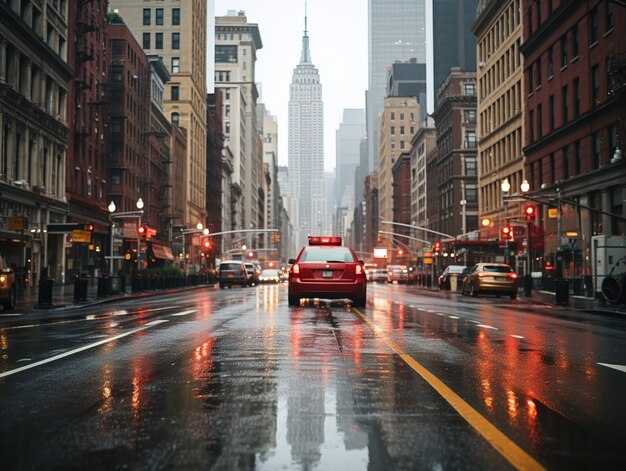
pixel 295 269
pixel 3 279
pixel 481 274
pixel 511 275
pixel 359 270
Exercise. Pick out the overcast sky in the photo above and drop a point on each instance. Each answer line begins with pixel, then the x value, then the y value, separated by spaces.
pixel 338 45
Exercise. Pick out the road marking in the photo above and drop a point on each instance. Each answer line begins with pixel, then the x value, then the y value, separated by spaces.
pixel 184 313
pixel 487 326
pixel 122 312
pixel 454 317
pixel 518 336
pixel 503 444
pixel 28 326
pixel 13 314
pixel 621 368
pixel 81 349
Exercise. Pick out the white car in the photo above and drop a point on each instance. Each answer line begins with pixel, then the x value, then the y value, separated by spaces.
pixel 269 275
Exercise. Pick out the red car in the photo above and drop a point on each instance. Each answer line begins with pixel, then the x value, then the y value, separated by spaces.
pixel 327 269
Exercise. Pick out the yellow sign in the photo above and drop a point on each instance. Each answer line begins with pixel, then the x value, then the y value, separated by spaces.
pixel 17 223
pixel 571 234
pixel 553 213
pixel 428 261
pixel 81 236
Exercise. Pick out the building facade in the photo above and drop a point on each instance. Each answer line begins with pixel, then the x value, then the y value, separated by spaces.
pixel 176 31
pixel 398 124
pixel 236 45
pixel 396 32
pixel 34 133
pixel 500 109
pixel 306 149
pixel 455 122
pixel 575 70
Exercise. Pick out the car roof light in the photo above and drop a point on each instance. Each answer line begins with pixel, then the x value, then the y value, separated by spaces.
pixel 323 240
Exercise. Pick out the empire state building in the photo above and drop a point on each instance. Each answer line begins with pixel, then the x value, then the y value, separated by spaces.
pixel 307 189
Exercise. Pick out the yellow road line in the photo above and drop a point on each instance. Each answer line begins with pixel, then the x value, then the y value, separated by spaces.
pixel 503 444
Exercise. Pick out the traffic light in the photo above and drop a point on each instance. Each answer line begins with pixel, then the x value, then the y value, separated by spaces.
pixel 400 252
pixel 276 238
pixel 207 245
pixel 529 211
pixel 506 232
pixel 437 246
pixel 250 254
pixel 141 231
pixel 380 237
pixel 85 227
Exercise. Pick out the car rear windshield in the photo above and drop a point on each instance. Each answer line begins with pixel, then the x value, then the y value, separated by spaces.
pixel 497 268
pixel 323 254
pixel 230 266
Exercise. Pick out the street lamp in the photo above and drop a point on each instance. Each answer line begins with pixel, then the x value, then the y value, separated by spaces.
pixel 112 209
pixel 139 207
pixel 199 228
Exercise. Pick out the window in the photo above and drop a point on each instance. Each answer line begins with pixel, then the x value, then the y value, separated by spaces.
pixel 175 16
pixel 597 154
pixel 401 129
pixel 565 162
pixel 538 3
pixel 538 72
pixel 175 40
pixel 609 20
pixel 575 42
pixel 577 158
pixel 552 168
pixel 469 89
pixel 393 130
pixel 159 16
pixel 610 77
pixel 226 54
pixel 565 103
pixel 550 62
pixel 158 41
pixel 470 116
pixel 612 140
pixel 470 140
pixel 393 115
pixel 563 51
pixel 593 26
pixel 227 127
pixel 175 92
pixel 227 111
pixel 540 121
pixel 175 119
pixel 531 75
pixel 551 111
pixel 146 41
pixel 576 97
pixel 175 65
pixel 471 168
pixel 531 125
pixel 146 16
pixel 471 194
pixel 595 85
pixel 402 116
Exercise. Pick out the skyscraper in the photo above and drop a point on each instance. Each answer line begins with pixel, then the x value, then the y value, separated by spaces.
pixel 306 148
pixel 396 32
pixel 348 143
pixel 454 43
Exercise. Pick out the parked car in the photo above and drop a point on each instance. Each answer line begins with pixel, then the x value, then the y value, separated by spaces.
pixel 7 284
pixel 253 273
pixel 327 269
pixel 451 270
pixel 232 272
pixel 397 273
pixel 491 278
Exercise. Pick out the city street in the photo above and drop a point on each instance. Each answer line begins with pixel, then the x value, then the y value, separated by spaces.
pixel 235 379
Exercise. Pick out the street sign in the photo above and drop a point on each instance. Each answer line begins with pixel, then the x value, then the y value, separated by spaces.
pixel 17 223
pixel 80 236
pixel 553 213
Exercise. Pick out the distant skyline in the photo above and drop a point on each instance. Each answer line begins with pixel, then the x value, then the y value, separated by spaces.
pixel 338 42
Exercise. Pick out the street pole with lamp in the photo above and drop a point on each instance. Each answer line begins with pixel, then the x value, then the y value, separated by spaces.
pixel 505 186
pixel 140 208
pixel 464 226
pixel 199 228
pixel 112 209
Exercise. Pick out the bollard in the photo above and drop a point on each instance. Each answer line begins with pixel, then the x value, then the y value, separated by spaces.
pixel 561 291
pixel 528 286
pixel 45 293
pixel 81 286
pixel 103 285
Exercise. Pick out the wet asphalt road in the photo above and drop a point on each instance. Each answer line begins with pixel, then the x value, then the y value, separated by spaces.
pixel 235 379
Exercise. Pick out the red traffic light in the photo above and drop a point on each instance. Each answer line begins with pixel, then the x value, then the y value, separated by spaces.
pixel 530 212
pixel 400 252
pixel 250 254
pixel 437 246
pixel 141 230
pixel 506 232
pixel 207 245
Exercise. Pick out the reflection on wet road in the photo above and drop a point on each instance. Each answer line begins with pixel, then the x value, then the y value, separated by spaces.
pixel 236 379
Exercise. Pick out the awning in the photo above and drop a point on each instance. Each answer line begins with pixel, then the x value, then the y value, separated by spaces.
pixel 162 251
